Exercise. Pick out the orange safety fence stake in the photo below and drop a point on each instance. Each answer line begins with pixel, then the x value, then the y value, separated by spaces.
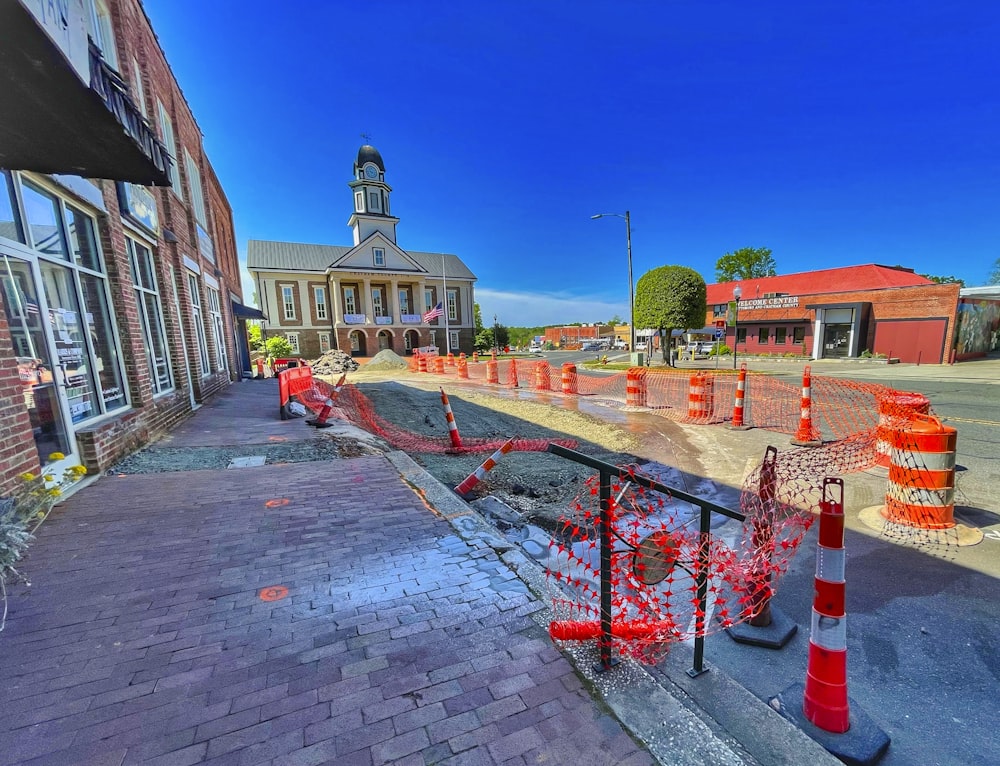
pixel 807 435
pixel 512 374
pixel 456 439
pixel 739 400
pixel 463 489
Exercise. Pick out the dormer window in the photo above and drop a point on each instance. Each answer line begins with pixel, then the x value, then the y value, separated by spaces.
pixel 379 254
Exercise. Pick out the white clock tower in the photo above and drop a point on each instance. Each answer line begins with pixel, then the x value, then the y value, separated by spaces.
pixel 371 197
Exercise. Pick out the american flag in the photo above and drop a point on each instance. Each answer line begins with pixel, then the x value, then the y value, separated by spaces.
pixel 31 307
pixel 434 313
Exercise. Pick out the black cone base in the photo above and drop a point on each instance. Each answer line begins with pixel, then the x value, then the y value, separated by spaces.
pixel 773 636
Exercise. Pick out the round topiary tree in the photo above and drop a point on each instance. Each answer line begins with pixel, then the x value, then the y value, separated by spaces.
pixel 670 298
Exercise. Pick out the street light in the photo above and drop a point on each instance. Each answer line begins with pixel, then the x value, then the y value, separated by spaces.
pixel 495 347
pixel 737 292
pixel 631 294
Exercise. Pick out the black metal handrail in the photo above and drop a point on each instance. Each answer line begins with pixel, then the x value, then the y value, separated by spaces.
pixel 705 507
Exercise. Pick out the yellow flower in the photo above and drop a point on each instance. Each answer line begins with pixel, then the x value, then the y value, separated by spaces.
pixel 57 456
pixel 40 514
pixel 28 476
pixel 49 477
pixel 79 470
pixel 54 492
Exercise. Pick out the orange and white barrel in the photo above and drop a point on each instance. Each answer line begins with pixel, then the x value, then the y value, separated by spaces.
pixel 635 387
pixel 492 371
pixel 475 357
pixel 421 363
pixel 451 359
pixel 894 411
pixel 569 384
pixel 439 365
pixel 463 367
pixel 698 402
pixel 542 382
pixel 921 491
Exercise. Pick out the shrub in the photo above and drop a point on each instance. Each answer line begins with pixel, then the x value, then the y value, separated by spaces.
pixel 278 347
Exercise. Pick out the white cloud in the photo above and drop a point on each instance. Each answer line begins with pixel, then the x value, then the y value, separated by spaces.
pixel 516 309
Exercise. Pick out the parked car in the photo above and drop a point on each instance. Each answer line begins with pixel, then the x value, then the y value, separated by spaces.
pixel 535 348
pixel 701 347
pixel 641 345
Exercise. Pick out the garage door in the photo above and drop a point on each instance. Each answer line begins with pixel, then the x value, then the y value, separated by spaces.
pixel 918 341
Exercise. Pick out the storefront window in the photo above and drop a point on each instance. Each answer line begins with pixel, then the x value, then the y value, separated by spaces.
pixel 82 241
pixel 150 316
pixel 106 362
pixel 10 224
pixel 67 324
pixel 44 221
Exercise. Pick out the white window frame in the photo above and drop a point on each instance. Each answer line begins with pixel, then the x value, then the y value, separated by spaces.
pixel 218 328
pixel 194 184
pixel 428 299
pixel 194 287
pixel 378 257
pixel 101 30
pixel 350 301
pixel 167 133
pixel 288 301
pixel 453 305
pixel 293 341
pixel 359 202
pixel 404 302
pixel 378 308
pixel 453 337
pixel 138 89
pixel 319 298
pixel 324 342
pixel 150 324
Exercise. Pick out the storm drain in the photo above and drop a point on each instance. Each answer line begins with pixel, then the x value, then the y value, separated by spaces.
pixel 251 461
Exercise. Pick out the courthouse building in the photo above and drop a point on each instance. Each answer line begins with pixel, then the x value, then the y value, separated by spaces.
pixel 118 266
pixel 368 296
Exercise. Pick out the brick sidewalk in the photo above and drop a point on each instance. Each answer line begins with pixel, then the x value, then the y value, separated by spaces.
pixel 144 639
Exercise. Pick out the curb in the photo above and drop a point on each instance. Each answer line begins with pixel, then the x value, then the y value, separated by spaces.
pixel 680 720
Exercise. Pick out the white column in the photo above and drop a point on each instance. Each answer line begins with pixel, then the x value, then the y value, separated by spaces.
pixel 392 302
pixel 366 306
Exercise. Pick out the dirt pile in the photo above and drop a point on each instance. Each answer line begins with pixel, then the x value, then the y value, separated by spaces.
pixel 386 359
pixel 333 362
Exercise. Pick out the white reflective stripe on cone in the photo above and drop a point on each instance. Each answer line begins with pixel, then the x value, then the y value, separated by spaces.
pixel 828 632
pixel 830 564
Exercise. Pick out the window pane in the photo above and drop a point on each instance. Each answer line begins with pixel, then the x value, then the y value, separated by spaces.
pixel 71 348
pixel 142 266
pixel 10 225
pixel 106 360
pixel 779 335
pixel 762 335
pixel 157 346
pixel 82 240
pixel 42 212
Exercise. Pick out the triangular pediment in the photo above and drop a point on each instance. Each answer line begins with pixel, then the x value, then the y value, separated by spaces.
pixel 361 257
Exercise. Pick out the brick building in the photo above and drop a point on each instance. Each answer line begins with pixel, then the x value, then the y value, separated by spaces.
pixel 118 296
pixel 369 296
pixel 839 312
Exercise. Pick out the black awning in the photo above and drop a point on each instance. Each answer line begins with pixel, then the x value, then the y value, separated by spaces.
pixel 246 312
pixel 53 122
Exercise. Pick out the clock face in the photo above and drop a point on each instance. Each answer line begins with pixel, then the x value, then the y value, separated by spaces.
pixel 371 172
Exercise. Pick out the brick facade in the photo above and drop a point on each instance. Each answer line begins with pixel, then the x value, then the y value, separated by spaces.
pixel 179 248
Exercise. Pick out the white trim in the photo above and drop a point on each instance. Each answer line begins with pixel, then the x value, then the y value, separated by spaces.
pixel 192 265
pixel 211 281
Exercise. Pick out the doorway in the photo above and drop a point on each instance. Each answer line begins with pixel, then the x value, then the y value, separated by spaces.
pixel 836 340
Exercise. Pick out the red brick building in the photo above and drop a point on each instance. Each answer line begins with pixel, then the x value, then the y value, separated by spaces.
pixel 118 298
pixel 840 312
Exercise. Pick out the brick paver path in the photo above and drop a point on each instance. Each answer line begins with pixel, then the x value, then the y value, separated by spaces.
pixel 144 637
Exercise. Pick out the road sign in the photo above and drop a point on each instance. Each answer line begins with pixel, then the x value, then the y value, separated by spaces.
pixel 719 333
pixel 720 324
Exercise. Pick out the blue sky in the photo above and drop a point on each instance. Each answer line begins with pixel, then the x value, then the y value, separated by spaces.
pixel 834 133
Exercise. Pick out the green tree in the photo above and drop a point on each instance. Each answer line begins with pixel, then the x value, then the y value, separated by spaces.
pixel 670 298
pixel 477 317
pixel 278 347
pixel 484 338
pixel 255 337
pixel 944 280
pixel 995 275
pixel 745 263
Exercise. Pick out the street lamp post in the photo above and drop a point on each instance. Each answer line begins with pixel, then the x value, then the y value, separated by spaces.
pixel 495 347
pixel 737 292
pixel 631 289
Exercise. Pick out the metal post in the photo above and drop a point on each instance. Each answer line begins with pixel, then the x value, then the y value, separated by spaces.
pixel 701 580
pixel 604 641
pixel 736 329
